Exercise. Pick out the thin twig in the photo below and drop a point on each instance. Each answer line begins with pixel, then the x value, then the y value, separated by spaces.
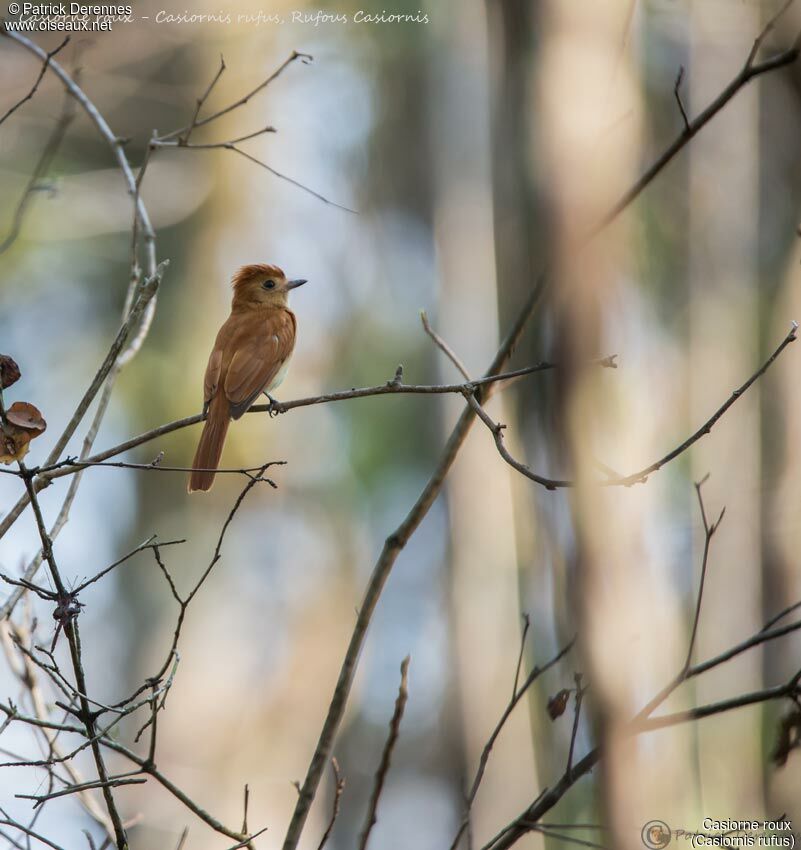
pixel 40 169
pixel 386 756
pixel 112 782
pixel 248 841
pixel 198 106
pixel 569 839
pixel 17 825
pixel 339 787
pixel 247 799
pixel 709 531
pixel 523 636
pixel 142 547
pixel 231 146
pixel 200 122
pixel 579 696
pixel 39 78
pixel 780 616
pixel 641 476
pixel 532 677
pixel 444 347
pixel 677 95
pixel 177 143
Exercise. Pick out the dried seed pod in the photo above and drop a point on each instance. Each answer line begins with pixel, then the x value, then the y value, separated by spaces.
pixel 558 703
pixel 26 415
pixel 9 371
pixel 24 422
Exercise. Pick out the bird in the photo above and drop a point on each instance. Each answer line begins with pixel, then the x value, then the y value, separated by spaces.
pixel 250 356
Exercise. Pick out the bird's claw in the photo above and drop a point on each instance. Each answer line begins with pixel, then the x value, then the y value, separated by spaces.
pixel 275 407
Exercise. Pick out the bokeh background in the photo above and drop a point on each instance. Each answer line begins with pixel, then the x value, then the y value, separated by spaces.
pixel 476 148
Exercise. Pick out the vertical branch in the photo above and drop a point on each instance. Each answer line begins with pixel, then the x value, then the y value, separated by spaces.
pixel 386 756
pixel 709 531
pixel 70 625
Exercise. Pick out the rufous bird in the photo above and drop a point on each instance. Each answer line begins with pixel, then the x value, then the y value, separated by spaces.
pixel 250 357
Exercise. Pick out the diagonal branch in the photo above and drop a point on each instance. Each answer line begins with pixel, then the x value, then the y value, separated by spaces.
pixel 42 71
pixel 232 146
pixel 184 137
pixel 40 169
pixel 641 476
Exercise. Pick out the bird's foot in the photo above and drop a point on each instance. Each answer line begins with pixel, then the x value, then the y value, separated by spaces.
pixel 275 406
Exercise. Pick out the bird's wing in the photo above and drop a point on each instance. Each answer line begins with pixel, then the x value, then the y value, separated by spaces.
pixel 211 380
pixel 212 377
pixel 258 358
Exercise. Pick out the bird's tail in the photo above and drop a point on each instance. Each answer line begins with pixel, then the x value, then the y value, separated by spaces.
pixel 209 449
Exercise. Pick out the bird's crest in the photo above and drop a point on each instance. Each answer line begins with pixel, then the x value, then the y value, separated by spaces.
pixel 253 271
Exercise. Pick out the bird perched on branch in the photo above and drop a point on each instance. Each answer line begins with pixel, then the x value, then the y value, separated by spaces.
pixel 250 357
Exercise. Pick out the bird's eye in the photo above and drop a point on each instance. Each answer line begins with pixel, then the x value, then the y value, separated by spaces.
pixel 269 284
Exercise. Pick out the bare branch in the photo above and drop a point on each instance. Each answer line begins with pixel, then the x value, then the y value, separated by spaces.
pixel 386 756
pixel 523 636
pixel 142 547
pixel 42 72
pixel 444 347
pixel 579 696
pixel 177 143
pixel 231 146
pixel 677 95
pixel 748 72
pixel 781 615
pixel 749 62
pixel 196 122
pixel 193 123
pixel 132 778
pixel 16 825
pixel 709 531
pixel 40 169
pixel 339 787
pixel 641 476
pixel 518 694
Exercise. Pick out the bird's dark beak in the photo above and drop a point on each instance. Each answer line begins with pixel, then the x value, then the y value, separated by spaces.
pixel 293 284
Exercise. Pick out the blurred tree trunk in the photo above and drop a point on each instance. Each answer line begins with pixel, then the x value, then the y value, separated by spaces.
pixel 520 234
pixel 484 586
pixel 723 347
